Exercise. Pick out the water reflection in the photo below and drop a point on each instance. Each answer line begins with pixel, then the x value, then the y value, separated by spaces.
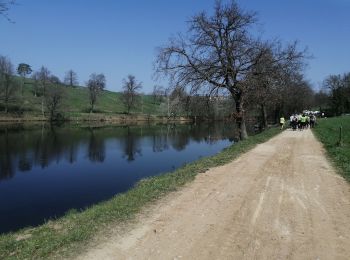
pixel 96 150
pixel 131 145
pixel 69 167
pixel 22 148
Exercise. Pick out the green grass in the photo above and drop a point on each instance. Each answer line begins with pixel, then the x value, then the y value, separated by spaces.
pixel 327 132
pixel 76 101
pixel 66 235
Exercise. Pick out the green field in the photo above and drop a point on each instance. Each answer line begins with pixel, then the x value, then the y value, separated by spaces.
pixel 328 132
pixel 76 102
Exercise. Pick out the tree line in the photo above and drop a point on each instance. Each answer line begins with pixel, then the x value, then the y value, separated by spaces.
pixel 50 89
pixel 335 94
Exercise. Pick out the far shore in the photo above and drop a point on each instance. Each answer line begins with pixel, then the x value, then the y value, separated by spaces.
pixel 96 117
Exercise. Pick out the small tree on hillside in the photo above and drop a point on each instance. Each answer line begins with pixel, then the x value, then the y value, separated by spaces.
pixel 71 78
pixel 44 77
pixel 158 93
pixel 131 97
pixel 23 70
pixel 54 97
pixel 96 84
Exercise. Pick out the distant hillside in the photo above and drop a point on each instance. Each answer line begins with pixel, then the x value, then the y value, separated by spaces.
pixel 76 101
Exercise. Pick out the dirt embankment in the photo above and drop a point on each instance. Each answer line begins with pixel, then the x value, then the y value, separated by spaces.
pixel 281 200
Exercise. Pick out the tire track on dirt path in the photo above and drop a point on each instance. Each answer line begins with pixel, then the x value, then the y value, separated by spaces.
pixel 281 200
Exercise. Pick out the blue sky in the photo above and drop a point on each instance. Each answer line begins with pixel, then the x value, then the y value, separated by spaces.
pixel 119 37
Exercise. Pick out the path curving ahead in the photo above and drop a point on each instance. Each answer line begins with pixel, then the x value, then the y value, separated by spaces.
pixel 281 200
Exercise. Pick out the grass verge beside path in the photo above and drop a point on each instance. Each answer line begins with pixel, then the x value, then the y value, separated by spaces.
pixel 60 237
pixel 327 131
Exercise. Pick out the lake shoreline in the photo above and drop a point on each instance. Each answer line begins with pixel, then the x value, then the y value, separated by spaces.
pixel 96 117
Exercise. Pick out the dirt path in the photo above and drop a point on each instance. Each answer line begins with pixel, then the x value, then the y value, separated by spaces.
pixel 281 200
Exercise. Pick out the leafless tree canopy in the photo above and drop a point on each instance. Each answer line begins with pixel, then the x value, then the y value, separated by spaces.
pixel 338 89
pixel 96 84
pixel 54 97
pixel 71 78
pixel 219 52
pixel 130 96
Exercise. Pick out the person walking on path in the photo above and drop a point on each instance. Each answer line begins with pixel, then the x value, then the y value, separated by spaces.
pixel 282 121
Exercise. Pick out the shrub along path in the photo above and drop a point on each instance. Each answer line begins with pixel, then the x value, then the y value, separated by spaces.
pixel 281 200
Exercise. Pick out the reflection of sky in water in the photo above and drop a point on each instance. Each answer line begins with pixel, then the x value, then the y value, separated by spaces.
pixel 95 169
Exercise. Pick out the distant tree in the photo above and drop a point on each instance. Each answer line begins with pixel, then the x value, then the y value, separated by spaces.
pixel 178 101
pixel 4 7
pixel 43 76
pixel 54 80
pixel 321 100
pixel 71 78
pixel 7 84
pixel 158 93
pixel 96 84
pixel 36 85
pixel 130 96
pixel 54 97
pixel 338 87
pixel 23 70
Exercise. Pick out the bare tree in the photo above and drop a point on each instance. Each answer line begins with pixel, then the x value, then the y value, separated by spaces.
pixel 130 96
pixel 8 87
pixel 158 93
pixel 219 53
pixel 96 84
pixel 35 83
pixel 71 78
pixel 54 97
pixel 338 87
pixel 44 78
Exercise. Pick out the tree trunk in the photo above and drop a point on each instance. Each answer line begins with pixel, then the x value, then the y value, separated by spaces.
pixel 42 107
pixel 6 106
pixel 264 115
pixel 240 116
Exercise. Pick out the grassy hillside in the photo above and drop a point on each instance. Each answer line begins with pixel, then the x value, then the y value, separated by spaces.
pixel 328 133
pixel 76 101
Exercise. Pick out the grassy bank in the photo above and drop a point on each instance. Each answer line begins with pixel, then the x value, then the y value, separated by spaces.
pixel 327 131
pixel 75 103
pixel 62 236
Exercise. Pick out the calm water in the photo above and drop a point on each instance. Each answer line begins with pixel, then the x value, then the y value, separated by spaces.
pixel 46 171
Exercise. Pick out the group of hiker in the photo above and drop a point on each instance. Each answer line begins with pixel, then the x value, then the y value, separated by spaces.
pixel 299 121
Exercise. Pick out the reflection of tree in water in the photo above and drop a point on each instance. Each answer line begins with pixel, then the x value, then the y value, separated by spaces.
pixel 6 166
pixel 24 149
pixel 179 139
pixel 21 149
pixel 131 146
pixel 24 163
pixel 160 139
pixel 97 151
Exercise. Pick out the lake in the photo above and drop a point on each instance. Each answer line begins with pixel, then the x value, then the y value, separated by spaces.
pixel 46 171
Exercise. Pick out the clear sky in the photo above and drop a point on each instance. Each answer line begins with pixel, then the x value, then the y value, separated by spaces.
pixel 119 37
